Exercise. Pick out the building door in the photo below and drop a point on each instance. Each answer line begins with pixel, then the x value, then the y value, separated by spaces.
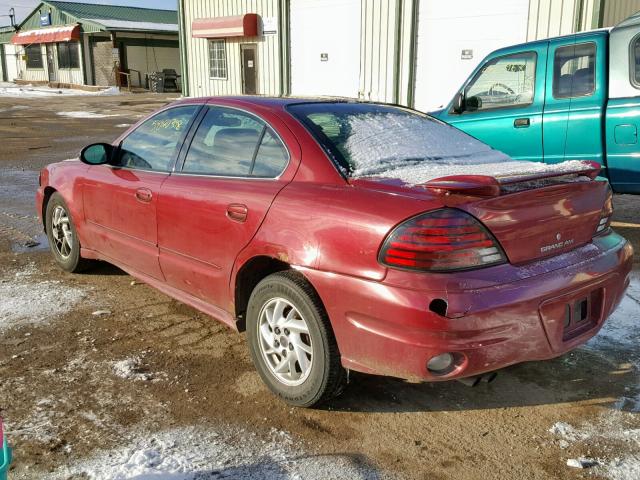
pixel 51 63
pixel 249 54
pixel 454 36
pixel 325 47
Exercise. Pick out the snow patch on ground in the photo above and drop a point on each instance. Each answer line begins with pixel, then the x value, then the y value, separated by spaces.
pixel 8 89
pixel 83 114
pixel 131 369
pixel 191 453
pixel 25 299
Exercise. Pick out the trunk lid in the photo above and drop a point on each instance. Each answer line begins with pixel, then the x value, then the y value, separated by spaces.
pixel 532 216
pixel 542 222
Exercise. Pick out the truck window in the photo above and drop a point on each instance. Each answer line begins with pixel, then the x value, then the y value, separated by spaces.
pixel 574 71
pixel 506 81
pixel 635 62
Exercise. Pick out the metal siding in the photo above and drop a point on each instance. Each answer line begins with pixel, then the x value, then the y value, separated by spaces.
pixel 551 18
pixel 445 29
pixel 617 10
pixel 198 53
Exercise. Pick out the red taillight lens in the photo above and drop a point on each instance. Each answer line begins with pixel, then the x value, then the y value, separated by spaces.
pixel 441 241
pixel 607 212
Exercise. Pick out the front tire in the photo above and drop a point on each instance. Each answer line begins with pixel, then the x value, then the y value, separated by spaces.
pixel 291 341
pixel 63 237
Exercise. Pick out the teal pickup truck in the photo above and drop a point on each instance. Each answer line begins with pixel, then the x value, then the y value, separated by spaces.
pixel 575 97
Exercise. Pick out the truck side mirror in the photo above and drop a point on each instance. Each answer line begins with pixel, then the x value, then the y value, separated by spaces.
pixel 473 103
pixel 458 103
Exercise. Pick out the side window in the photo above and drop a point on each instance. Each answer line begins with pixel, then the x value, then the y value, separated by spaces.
pixel 234 144
pixel 574 71
pixel 503 82
pixel 153 144
pixel 635 62
pixel 271 158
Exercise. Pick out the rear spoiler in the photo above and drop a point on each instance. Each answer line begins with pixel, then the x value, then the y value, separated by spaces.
pixel 489 186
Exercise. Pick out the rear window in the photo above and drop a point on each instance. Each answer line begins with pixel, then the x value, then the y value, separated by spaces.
pixel 380 140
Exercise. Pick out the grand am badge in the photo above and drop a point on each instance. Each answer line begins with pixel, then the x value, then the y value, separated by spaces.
pixel 555 246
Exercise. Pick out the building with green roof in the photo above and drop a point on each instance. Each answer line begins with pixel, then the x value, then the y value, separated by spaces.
pixel 73 43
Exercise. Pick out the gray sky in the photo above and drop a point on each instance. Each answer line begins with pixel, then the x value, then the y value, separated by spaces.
pixel 25 7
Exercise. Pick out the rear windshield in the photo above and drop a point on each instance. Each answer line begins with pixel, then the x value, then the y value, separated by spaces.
pixel 380 140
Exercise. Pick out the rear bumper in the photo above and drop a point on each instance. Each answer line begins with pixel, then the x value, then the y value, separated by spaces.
pixel 387 327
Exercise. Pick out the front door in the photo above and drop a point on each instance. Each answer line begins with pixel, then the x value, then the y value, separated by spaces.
pixel 51 66
pixel 210 210
pixel 503 103
pixel 120 199
pixel 249 54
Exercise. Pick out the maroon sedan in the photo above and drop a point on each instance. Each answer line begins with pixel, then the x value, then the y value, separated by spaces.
pixel 346 236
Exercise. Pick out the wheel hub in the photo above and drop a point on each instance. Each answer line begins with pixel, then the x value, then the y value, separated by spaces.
pixel 285 342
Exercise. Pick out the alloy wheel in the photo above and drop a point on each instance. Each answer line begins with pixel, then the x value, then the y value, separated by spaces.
pixel 285 342
pixel 62 232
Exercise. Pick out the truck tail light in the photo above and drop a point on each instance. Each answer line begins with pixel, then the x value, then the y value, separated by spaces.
pixel 441 241
pixel 607 212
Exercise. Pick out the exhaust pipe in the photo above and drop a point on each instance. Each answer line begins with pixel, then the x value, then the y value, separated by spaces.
pixel 476 379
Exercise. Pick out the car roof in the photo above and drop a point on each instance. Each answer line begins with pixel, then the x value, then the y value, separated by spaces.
pixel 277 101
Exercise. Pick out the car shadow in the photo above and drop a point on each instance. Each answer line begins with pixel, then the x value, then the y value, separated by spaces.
pixel 580 376
pixel 105 268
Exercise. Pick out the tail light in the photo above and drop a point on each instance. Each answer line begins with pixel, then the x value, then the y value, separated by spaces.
pixel 607 212
pixel 441 241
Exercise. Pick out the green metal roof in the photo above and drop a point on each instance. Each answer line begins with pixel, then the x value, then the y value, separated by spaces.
pixel 116 12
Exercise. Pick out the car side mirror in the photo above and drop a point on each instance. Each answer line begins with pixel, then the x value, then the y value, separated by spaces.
pixel 458 103
pixel 473 103
pixel 96 154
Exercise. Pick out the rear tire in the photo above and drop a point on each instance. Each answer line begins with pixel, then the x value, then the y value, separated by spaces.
pixel 291 341
pixel 63 237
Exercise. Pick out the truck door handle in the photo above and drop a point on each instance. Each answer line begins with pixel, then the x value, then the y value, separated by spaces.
pixel 521 122
pixel 237 212
pixel 144 195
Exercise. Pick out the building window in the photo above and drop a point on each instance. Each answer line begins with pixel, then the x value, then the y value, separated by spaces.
pixel 574 71
pixel 34 56
pixel 217 59
pixel 68 55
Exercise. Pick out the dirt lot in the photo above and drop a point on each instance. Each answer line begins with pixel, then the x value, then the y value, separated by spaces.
pixel 103 377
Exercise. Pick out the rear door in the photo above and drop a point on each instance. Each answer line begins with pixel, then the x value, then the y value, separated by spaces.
pixel 574 107
pixel 504 103
pixel 210 210
pixel 120 199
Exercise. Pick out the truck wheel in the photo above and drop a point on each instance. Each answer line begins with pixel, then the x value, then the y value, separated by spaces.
pixel 62 235
pixel 291 341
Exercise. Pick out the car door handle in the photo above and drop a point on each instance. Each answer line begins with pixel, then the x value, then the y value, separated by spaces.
pixel 237 212
pixel 144 195
pixel 521 122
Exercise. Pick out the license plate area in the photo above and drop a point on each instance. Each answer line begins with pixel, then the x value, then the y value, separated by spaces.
pixel 570 316
pixel 578 318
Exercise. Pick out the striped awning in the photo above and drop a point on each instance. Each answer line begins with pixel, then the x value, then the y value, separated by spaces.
pixel 47 35
pixel 220 27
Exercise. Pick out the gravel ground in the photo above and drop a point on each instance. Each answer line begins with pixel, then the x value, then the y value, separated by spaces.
pixel 104 377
